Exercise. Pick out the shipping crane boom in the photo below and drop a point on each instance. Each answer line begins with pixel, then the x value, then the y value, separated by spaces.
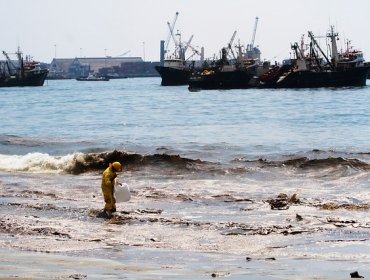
pixel 171 27
pixel 187 44
pixel 9 60
pixel 251 45
pixel 232 40
pixel 172 36
pixel 230 45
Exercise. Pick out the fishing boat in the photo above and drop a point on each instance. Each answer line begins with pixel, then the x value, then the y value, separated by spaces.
pixel 22 72
pixel 237 68
pixel 225 74
pixel 93 77
pixel 317 69
pixel 175 72
pixel 176 68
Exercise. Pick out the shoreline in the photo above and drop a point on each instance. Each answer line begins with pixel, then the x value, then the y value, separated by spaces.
pixel 281 226
pixel 141 263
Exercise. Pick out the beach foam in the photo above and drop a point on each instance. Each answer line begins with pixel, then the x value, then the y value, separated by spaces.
pixel 37 163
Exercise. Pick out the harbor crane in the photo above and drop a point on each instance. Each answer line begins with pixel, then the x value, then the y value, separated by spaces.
pixel 125 53
pixel 180 47
pixel 251 45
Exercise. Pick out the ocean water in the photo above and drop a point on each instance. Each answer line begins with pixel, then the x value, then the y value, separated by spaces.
pixel 68 116
pixel 205 170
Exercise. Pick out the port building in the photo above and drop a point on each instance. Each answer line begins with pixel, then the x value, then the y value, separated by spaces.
pixel 113 67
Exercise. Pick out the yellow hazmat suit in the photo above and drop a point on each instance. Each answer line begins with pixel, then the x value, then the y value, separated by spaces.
pixel 107 186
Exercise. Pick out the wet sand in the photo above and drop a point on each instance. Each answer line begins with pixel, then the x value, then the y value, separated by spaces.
pixel 141 263
pixel 185 227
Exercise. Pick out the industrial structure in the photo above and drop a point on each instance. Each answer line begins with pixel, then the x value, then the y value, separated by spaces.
pixel 112 67
pixel 253 52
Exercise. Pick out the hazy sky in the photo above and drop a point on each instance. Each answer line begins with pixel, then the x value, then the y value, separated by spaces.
pixel 73 28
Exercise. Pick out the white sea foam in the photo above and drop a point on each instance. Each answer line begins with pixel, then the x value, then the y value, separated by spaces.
pixel 37 163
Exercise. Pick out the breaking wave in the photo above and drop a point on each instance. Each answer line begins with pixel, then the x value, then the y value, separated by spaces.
pixel 37 163
pixel 78 163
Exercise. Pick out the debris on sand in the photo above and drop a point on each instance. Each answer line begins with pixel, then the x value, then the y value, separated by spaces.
pixel 356 275
pixel 230 198
pixel 282 201
pixel 298 217
pixel 219 274
pixel 77 276
pixel 248 259
pixel 120 220
pixel 335 206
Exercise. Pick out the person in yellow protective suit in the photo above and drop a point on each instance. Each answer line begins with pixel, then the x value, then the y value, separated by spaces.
pixel 107 186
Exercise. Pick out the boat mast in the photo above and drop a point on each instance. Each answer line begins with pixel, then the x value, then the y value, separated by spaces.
pixel 296 51
pixel 20 61
pixel 302 49
pixel 180 49
pixel 334 49
pixel 313 40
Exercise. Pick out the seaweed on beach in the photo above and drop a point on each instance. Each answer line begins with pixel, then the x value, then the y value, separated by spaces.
pixel 11 227
pixel 282 201
pixel 346 206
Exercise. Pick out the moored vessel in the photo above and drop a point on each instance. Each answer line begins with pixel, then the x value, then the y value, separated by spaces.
pixel 313 68
pixel 22 72
pixel 92 77
pixel 174 72
pixel 236 69
pixel 176 69
pixel 225 74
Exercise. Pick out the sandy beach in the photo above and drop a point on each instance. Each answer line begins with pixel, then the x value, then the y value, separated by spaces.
pixel 199 231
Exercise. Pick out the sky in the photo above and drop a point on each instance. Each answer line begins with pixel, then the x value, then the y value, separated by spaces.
pixel 46 29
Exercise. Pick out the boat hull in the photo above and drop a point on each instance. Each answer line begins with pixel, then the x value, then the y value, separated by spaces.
pixel 353 77
pixel 172 76
pixel 93 79
pixel 29 79
pixel 222 80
